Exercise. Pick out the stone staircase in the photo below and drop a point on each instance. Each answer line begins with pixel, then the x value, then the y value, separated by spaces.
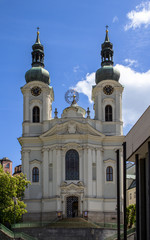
pixel 69 229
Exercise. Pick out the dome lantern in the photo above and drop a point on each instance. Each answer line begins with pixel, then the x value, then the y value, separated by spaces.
pixel 37 72
pixel 107 71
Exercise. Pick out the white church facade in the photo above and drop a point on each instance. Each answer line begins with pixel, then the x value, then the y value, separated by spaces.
pixel 71 161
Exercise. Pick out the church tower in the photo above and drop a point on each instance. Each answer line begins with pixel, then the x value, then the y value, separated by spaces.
pixel 37 94
pixel 107 93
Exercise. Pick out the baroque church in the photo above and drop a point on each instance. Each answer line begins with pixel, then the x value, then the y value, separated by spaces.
pixel 71 161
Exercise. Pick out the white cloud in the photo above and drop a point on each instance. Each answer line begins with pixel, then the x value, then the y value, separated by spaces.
pixel 115 19
pixel 85 85
pixel 138 17
pixel 131 62
pixel 136 97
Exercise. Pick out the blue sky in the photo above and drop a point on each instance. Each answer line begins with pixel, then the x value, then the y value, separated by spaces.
pixel 72 32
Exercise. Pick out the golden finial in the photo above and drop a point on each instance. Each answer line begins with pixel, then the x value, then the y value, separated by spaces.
pixel 106 28
pixel 38 30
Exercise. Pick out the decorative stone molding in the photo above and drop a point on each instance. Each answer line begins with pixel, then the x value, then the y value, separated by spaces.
pixel 35 101
pixel 72 188
pixel 72 128
pixel 109 160
pixel 35 161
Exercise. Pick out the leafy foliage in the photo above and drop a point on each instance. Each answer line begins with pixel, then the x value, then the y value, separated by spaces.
pixel 11 187
pixel 131 215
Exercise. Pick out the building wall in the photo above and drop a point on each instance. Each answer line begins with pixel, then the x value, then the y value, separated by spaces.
pixel 7 165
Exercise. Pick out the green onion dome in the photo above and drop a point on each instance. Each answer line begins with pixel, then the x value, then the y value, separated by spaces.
pixel 107 71
pixel 37 72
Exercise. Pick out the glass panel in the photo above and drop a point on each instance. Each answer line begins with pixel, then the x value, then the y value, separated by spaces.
pixel 36 114
pixel 72 165
pixel 109 174
pixel 108 113
pixel 35 175
pixel 7 166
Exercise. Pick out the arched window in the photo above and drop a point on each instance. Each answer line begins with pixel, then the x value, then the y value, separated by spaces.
pixel 109 174
pixel 108 113
pixel 36 114
pixel 72 165
pixel 35 174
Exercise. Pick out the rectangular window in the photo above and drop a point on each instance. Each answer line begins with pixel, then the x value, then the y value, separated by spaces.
pixel 51 172
pixel 94 171
pixel 130 196
pixel 7 166
pixel 134 194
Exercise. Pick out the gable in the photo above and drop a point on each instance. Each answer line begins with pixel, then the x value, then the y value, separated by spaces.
pixel 70 128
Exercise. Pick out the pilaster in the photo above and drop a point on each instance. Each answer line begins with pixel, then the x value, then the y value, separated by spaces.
pixel 26 168
pixel 85 167
pixel 89 179
pixel 54 175
pixel 45 106
pixel 45 173
pixel 99 174
pixel 58 169
pixel 26 111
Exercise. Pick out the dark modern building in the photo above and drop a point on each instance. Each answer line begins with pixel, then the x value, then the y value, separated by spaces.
pixel 138 151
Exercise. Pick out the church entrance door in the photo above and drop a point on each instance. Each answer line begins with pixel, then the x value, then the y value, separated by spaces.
pixel 72 207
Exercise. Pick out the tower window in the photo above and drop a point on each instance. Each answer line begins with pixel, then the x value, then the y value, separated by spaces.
pixel 108 113
pixel 109 174
pixel 72 165
pixel 36 114
pixel 35 174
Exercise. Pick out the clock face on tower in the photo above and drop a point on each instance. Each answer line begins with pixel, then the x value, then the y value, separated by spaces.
pixel 36 91
pixel 108 89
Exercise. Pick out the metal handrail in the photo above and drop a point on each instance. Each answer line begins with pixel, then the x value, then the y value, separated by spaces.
pixel 12 234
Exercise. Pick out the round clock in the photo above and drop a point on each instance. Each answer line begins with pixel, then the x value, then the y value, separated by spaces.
pixel 108 89
pixel 36 91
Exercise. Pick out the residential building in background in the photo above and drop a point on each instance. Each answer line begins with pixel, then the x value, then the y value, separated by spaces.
pixel 138 151
pixel 7 164
pixel 131 193
pixel 17 170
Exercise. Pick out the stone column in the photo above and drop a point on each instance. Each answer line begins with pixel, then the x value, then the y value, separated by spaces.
pixel 99 174
pixel 26 168
pixel 51 182
pixel 85 167
pixel 80 166
pixel 58 170
pixel 89 173
pixel 45 173
pixel 55 173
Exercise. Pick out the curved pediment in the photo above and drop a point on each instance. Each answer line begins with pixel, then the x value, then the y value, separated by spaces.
pixel 72 127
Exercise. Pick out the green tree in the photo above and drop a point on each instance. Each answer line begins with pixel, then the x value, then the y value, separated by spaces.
pixel 10 188
pixel 131 215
